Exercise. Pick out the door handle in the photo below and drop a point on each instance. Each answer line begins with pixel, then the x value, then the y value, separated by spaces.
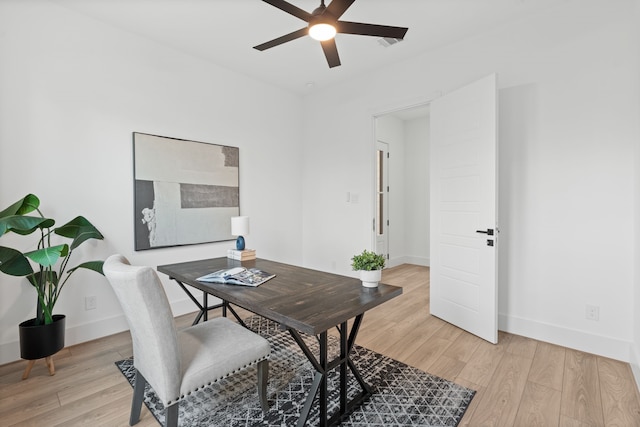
pixel 488 231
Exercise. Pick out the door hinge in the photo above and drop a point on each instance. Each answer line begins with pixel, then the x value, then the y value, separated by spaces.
pixel 388 155
pixel 374 224
pixel 387 223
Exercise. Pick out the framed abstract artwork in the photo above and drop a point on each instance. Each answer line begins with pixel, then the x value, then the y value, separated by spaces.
pixel 185 192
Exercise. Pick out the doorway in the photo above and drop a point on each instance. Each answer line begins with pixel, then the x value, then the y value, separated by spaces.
pixel 402 226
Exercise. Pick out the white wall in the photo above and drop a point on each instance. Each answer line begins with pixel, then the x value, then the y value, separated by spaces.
pixel 635 353
pixel 416 215
pixel 568 115
pixel 72 92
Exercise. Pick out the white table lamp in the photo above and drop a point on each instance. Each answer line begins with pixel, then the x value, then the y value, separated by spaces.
pixel 240 228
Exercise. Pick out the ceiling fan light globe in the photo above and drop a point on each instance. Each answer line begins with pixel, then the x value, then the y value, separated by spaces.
pixel 322 31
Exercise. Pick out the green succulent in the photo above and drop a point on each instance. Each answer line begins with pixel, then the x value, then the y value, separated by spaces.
pixel 367 261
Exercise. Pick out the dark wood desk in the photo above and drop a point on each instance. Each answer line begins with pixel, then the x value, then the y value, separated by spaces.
pixel 301 300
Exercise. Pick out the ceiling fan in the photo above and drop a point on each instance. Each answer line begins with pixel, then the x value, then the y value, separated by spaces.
pixel 324 23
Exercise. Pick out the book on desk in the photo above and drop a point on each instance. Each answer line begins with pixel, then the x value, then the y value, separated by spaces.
pixel 237 276
pixel 241 255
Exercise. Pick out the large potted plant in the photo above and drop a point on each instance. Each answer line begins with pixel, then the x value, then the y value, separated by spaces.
pixel 369 265
pixel 46 268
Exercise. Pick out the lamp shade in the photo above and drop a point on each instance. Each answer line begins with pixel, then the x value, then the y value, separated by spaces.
pixel 239 225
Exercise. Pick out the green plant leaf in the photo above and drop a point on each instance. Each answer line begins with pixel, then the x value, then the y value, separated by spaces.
pixel 90 265
pixel 47 257
pixel 14 263
pixel 368 261
pixel 24 225
pixel 27 204
pixel 79 229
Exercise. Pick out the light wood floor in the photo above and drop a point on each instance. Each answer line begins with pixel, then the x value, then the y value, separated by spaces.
pixel 519 382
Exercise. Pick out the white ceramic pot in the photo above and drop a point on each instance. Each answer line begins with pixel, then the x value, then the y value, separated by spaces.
pixel 371 278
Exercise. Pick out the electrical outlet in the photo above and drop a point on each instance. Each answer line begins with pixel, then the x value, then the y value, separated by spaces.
pixel 592 312
pixel 90 303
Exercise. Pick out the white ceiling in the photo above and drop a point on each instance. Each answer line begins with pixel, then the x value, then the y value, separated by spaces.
pixel 225 31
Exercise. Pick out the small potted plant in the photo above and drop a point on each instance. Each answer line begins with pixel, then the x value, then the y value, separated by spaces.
pixel 369 265
pixel 46 269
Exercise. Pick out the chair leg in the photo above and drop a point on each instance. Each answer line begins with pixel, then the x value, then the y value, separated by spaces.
pixel 171 415
pixel 263 378
pixel 138 398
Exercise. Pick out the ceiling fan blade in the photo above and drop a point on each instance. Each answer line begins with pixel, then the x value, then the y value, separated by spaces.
pixel 361 29
pixel 338 7
pixel 331 52
pixel 283 39
pixel 290 9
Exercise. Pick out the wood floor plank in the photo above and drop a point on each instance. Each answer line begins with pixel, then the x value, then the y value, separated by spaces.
pixel 12 414
pixel 483 363
pixel 522 346
pixel 581 399
pixel 445 367
pixel 463 347
pixel 427 354
pixel 87 406
pixel 500 403
pixel 115 413
pixel 103 376
pixel 571 422
pixel 540 406
pixel 548 366
pixel 619 393
pixel 43 384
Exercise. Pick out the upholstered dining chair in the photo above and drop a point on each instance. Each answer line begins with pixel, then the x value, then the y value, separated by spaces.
pixel 175 362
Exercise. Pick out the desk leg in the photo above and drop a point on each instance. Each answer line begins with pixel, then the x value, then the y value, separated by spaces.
pixel 204 308
pixel 304 414
pixel 352 339
pixel 323 382
pixel 323 366
pixel 205 303
pixel 226 306
pixel 344 356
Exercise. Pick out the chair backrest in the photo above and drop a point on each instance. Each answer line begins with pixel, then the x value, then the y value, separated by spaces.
pixel 153 331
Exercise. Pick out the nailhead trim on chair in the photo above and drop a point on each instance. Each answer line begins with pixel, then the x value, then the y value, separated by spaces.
pixel 171 402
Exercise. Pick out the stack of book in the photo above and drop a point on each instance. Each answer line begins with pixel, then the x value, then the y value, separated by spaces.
pixel 244 255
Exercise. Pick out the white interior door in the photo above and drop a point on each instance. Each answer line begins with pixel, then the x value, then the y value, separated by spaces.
pixel 464 208
pixel 381 228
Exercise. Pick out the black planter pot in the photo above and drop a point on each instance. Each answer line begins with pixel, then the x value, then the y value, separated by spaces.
pixel 38 341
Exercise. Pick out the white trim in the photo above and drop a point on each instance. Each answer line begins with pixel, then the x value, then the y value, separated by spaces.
pixel 572 338
pixel 635 364
pixel 394 262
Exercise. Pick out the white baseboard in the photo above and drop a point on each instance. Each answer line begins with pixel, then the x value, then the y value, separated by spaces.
pixel 575 339
pixel 635 364
pixel 394 262
pixel 10 352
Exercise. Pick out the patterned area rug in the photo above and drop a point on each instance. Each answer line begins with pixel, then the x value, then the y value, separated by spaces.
pixel 402 395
